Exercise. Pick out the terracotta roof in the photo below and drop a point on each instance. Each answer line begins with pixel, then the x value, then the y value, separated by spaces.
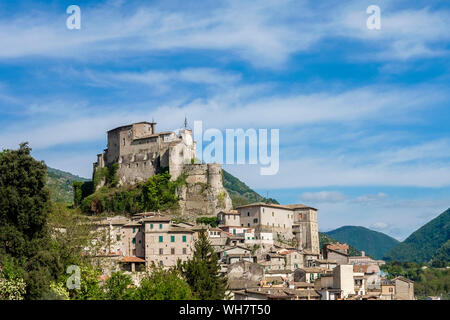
pixel 300 206
pixel 365 268
pixel 336 246
pixel 157 219
pixel 235 212
pixel 262 204
pixel 133 224
pixel 303 284
pixel 131 259
pixel 400 278
pixel 312 270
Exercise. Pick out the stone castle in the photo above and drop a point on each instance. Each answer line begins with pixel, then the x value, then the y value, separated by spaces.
pixel 141 152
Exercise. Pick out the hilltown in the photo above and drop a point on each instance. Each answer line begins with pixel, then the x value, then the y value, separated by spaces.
pixel 257 265
pixel 266 251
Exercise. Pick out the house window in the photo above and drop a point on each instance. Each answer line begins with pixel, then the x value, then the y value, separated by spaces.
pixel 184 238
pixel 161 251
pixel 172 250
pixel 160 263
pixel 151 226
pixel 118 237
pixel 184 251
pixel 161 238
pixel 234 231
pixel 160 225
pixel 273 214
pixel 172 238
pixel 248 224
pixel 255 220
pixel 248 214
pixel 134 241
pixel 134 229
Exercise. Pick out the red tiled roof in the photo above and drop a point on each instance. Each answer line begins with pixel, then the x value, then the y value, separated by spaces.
pixel 131 259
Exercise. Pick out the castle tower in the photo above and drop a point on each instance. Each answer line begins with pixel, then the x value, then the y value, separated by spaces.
pixel 306 228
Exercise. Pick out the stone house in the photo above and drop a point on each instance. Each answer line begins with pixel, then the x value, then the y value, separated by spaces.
pixel 306 274
pixel 387 289
pixel 294 259
pixel 229 218
pixel 404 288
pixel 165 242
pixel 336 252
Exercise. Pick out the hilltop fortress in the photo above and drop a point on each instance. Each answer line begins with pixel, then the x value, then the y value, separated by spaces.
pixel 141 152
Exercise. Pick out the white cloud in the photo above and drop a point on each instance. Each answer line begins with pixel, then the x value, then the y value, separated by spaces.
pixel 323 196
pixel 264 33
pixel 369 198
pixel 379 225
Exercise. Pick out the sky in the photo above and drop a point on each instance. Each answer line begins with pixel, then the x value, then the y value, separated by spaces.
pixel 363 115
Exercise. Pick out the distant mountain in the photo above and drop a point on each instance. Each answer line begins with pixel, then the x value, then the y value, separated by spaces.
pixel 431 240
pixel 324 238
pixel 374 243
pixel 60 184
pixel 240 193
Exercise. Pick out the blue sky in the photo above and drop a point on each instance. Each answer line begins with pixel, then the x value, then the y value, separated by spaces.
pixel 363 114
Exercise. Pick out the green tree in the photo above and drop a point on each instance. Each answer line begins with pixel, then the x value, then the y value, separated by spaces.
pixel 119 287
pixel 163 284
pixel 202 271
pixel 24 208
pixel 90 288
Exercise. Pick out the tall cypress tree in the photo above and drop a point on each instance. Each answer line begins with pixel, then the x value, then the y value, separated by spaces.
pixel 202 271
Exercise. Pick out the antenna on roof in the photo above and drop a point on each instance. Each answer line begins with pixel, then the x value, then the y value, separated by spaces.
pixel 185 122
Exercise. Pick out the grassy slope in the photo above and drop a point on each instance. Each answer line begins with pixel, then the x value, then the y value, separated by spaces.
pixel 424 243
pixel 240 193
pixel 60 184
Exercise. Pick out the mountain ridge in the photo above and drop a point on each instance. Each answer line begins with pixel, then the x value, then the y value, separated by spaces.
pixel 374 243
pixel 426 243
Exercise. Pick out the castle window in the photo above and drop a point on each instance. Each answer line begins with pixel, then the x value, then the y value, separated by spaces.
pixel 255 220
pixel 123 141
